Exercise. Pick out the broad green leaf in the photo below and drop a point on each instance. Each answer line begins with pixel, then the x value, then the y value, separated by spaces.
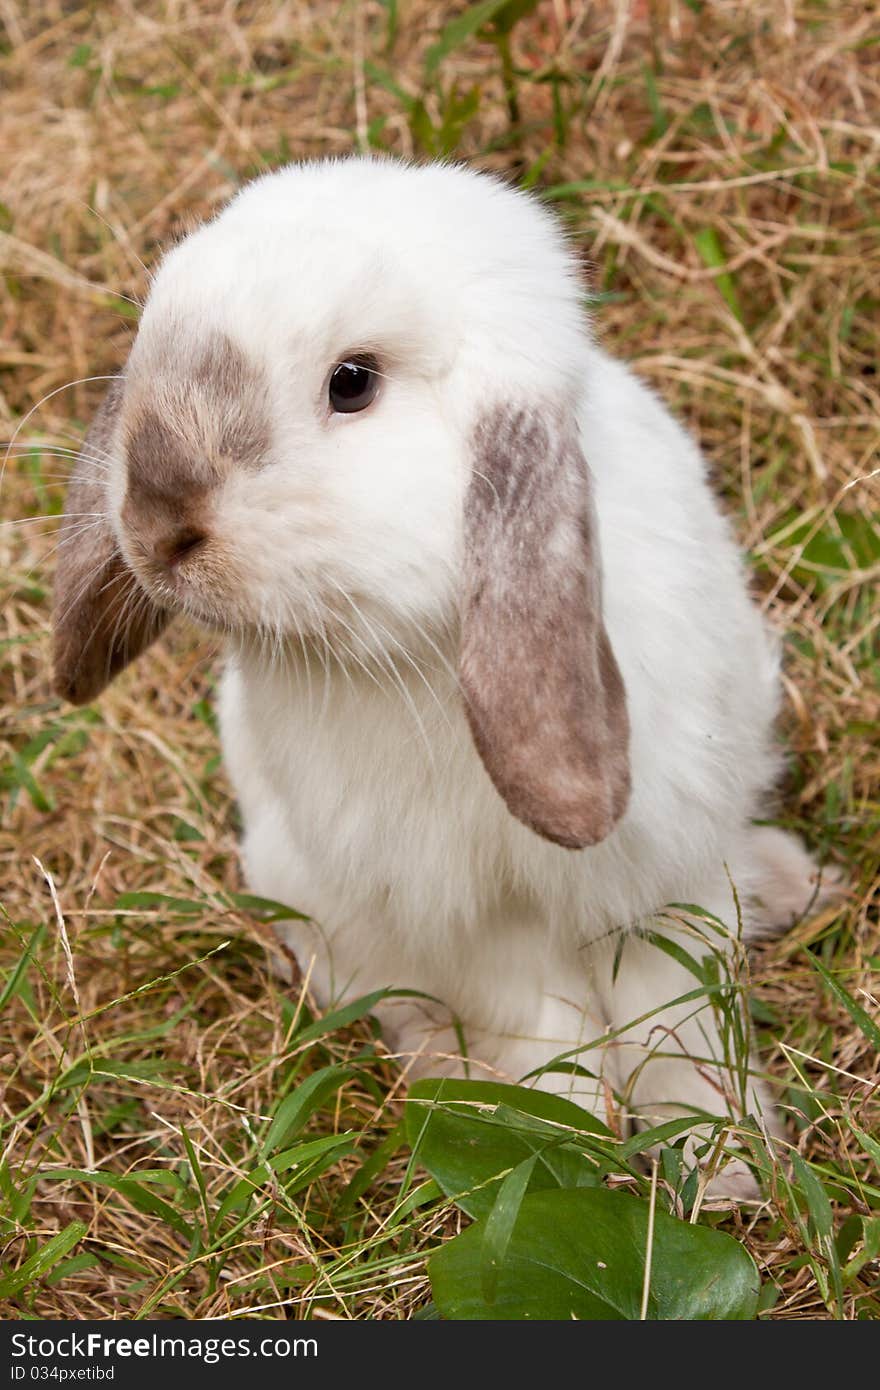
pixel 581 1254
pixel 470 1134
pixel 524 1100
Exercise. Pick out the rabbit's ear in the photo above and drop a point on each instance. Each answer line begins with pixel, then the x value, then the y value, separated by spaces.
pixel 544 695
pixel 102 617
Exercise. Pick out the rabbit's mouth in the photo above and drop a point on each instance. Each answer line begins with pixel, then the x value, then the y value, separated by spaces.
pixel 205 578
pixel 187 570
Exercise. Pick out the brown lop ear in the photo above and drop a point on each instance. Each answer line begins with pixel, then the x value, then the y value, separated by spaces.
pixel 544 696
pixel 102 617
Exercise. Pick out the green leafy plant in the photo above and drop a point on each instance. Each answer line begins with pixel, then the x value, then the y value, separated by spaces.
pixel 589 1254
pixel 550 1241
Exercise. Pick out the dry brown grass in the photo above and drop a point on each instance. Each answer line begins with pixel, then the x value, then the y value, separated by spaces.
pixel 723 159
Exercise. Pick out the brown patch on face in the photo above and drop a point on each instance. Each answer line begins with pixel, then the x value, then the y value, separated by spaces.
pixel 102 618
pixel 193 417
pixel 186 418
pixel 543 692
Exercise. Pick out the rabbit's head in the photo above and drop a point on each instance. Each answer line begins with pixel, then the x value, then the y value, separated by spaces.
pixel 349 417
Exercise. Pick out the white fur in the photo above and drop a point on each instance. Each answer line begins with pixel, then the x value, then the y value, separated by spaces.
pixel 364 802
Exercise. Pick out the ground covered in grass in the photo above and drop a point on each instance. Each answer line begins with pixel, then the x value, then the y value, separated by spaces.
pixel 179 1136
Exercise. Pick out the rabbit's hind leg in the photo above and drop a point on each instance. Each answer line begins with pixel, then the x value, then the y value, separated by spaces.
pixel 681 1040
pixel 783 882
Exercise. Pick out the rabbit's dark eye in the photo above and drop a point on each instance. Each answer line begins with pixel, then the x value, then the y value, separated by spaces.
pixel 353 384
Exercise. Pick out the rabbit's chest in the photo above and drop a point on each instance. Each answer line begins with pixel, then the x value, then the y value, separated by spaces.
pixel 394 825
pixel 382 799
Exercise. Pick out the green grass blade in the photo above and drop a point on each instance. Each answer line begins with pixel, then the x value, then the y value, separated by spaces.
pixel 42 1261
pixel 460 29
pixel 711 253
pixel 13 981
pixel 295 1109
pixel 855 1010
pixel 500 1223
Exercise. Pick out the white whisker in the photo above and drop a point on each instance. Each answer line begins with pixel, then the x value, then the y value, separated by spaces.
pixel 81 381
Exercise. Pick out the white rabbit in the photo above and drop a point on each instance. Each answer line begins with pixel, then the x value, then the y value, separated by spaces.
pixel 496 693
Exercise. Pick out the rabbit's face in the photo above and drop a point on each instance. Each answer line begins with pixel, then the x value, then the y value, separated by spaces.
pixel 287 460
pixel 350 417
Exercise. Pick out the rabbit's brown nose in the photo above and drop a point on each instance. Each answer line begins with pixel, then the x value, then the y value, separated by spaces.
pixel 179 545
